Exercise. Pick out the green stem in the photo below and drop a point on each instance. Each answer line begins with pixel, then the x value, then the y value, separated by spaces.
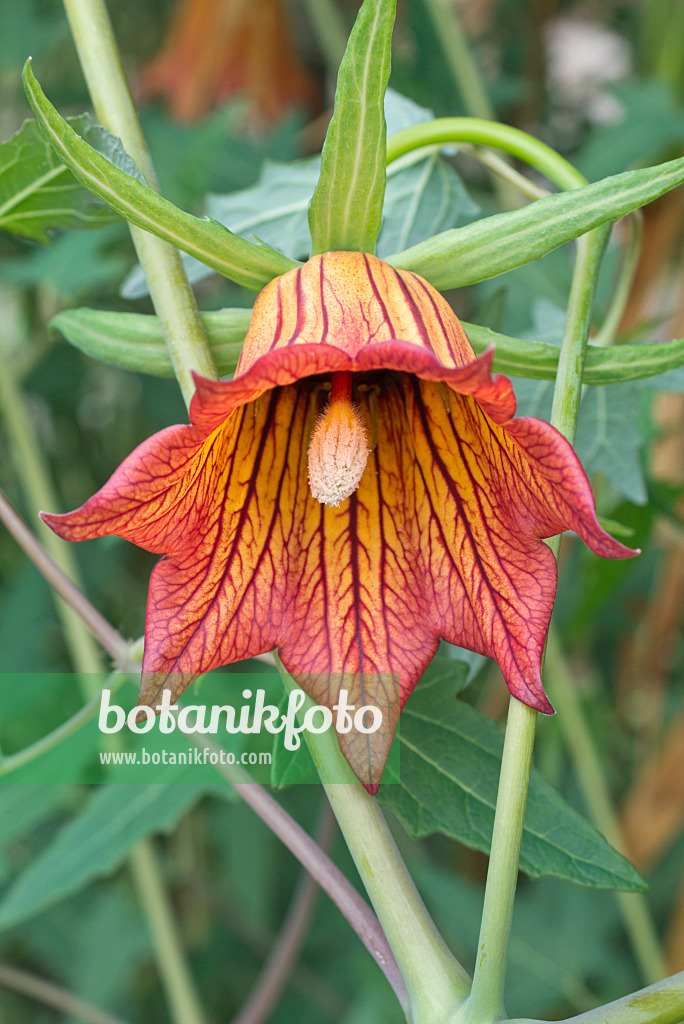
pixel 568 389
pixel 171 293
pixel 638 922
pixel 461 64
pixel 479 132
pixel 486 1002
pixel 436 981
pixel 34 476
pixel 63 731
pixel 183 1003
pixel 609 328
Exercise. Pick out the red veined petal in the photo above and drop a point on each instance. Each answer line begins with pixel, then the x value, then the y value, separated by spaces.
pixel 349 300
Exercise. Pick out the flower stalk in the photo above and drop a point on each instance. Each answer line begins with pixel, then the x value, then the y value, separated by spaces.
pixel 435 980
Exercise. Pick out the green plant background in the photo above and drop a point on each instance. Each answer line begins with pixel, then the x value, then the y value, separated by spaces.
pixel 67 907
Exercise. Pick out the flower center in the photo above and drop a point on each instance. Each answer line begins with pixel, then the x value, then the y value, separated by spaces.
pixel 338 449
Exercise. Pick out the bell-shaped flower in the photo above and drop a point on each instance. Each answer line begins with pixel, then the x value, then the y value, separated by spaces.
pixel 358 491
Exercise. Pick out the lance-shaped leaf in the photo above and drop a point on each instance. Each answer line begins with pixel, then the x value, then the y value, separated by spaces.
pixel 346 208
pixel 450 764
pixel 246 263
pixel 134 341
pixel 38 193
pixel 440 537
pixel 499 243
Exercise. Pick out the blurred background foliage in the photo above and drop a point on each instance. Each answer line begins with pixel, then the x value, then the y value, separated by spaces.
pixel 223 86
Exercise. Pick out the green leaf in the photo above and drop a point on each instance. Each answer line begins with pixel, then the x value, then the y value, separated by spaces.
pixel 245 262
pixel 38 193
pixel 493 245
pixel 423 197
pixel 134 341
pixel 346 209
pixel 450 763
pixel 97 841
pixel 609 438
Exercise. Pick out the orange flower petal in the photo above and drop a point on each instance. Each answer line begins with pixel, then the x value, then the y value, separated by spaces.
pixel 442 538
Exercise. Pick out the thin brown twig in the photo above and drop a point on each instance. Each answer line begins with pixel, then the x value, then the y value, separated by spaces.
pixel 338 887
pixel 283 956
pixel 53 995
pixel 110 639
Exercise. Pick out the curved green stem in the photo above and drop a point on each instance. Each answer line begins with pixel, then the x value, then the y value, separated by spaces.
pixel 479 132
pixel 436 981
pixel 63 731
pixel 171 293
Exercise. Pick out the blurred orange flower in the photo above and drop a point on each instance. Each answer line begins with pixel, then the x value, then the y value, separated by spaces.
pixel 219 48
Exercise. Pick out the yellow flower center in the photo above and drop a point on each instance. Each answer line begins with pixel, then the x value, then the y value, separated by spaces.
pixel 338 449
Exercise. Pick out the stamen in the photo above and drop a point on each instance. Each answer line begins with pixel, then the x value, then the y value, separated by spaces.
pixel 338 449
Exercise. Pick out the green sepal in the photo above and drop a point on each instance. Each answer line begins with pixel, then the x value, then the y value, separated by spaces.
pixel 493 245
pixel 134 341
pixel 539 360
pixel 247 263
pixel 346 207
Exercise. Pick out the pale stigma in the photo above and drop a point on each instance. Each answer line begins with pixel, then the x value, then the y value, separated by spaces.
pixel 338 452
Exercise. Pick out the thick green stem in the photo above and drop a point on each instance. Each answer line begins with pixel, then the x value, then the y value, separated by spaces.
pixel 437 984
pixel 638 922
pixel 171 294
